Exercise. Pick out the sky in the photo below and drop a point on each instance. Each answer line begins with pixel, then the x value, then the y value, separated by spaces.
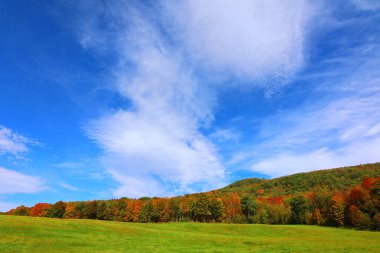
pixel 106 99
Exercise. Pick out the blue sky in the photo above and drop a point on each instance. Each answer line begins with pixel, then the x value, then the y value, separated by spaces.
pixel 103 99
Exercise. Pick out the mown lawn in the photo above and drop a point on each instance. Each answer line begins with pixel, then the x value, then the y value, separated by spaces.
pixel 27 234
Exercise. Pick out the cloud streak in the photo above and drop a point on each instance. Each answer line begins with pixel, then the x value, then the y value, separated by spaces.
pixel 6 206
pixel 68 186
pixel 15 182
pixel 12 143
pixel 159 139
pixel 340 128
pixel 254 40
pixel 156 141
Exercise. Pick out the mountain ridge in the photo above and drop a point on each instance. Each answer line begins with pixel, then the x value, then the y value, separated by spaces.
pixel 339 178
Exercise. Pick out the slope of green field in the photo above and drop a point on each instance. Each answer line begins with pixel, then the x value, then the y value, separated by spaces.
pixel 27 234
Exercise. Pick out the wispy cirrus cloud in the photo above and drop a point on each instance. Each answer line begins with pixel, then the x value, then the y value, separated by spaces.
pixel 159 138
pixel 331 134
pixel 340 127
pixel 354 153
pixel 254 40
pixel 224 135
pixel 16 145
pixel 15 182
pixel 12 143
pixel 68 186
pixel 70 165
pixel 6 206
pixel 366 5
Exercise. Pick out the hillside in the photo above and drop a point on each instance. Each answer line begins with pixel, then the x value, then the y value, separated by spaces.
pixel 337 179
pixel 347 196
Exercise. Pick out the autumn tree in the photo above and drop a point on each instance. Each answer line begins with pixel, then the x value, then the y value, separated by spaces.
pixel 299 208
pixel 277 214
pixel 136 210
pixel 80 209
pixel 232 206
pixel 201 209
pixel 161 209
pixel 249 207
pixel 20 210
pixel 90 210
pixel 375 195
pixel 40 210
pixel 376 221
pixel 100 213
pixel 316 217
pixel 70 211
pixel 361 198
pixel 261 215
pixel 145 213
pixel 217 209
pixel 337 209
pixel 354 215
pixel 175 210
pixel 368 183
pixel 119 209
pixel 185 205
pixel 320 203
pixel 57 210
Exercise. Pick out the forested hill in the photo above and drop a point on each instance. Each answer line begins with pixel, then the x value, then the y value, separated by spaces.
pixel 337 197
pixel 334 179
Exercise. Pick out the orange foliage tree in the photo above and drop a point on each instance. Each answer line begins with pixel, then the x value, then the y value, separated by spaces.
pixel 40 210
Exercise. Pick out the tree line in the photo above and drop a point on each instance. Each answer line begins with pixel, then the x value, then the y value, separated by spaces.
pixel 358 207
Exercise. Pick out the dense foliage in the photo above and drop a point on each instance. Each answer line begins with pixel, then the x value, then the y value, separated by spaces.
pixel 339 197
pixel 334 179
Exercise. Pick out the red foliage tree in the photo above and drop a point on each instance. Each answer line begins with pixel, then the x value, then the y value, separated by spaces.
pixel 367 183
pixel 356 196
pixel 136 210
pixel 354 215
pixel 232 205
pixel 39 210
pixel 337 209
pixel 275 200
pixel 260 191
pixel 71 212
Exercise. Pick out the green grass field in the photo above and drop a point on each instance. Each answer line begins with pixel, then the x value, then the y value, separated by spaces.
pixel 27 234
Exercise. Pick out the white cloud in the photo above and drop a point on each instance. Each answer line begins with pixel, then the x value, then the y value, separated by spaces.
pixel 329 134
pixel 338 128
pixel 247 38
pixel 6 206
pixel 289 163
pixel 15 182
pixel 15 145
pixel 225 135
pixel 68 186
pixel 373 130
pixel 367 5
pixel 70 165
pixel 12 143
pixel 158 139
pixel 138 147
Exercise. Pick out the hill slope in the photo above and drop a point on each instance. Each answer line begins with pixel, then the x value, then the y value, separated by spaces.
pixel 334 179
pixel 336 197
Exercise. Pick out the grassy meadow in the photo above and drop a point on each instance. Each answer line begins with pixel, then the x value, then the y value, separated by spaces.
pixel 28 234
